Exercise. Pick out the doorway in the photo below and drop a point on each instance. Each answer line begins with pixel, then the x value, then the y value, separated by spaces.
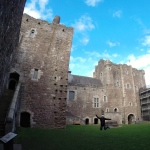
pixel 131 118
pixel 13 80
pixel 25 119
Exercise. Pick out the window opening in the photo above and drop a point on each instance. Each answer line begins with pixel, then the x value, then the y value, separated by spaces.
pixel 96 102
pixel 105 99
pixel 115 110
pixel 35 74
pixel 71 95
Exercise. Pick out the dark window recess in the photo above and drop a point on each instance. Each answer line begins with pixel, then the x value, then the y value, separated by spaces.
pixel 35 74
pixel 71 95
pixel 25 119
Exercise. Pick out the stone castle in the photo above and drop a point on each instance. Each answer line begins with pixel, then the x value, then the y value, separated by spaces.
pixel 47 95
pixel 41 66
pixel 113 91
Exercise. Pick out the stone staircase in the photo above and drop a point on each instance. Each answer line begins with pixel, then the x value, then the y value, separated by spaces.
pixel 5 101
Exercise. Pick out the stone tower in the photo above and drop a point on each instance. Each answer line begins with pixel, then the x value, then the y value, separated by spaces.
pixel 42 64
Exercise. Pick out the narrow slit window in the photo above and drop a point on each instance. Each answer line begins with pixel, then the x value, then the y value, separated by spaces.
pixel 35 74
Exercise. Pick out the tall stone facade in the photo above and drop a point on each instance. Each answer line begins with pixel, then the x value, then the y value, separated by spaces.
pixel 41 63
pixel 10 22
pixel 118 96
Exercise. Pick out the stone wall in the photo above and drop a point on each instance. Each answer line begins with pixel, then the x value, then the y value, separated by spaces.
pixel 117 89
pixel 42 62
pixel 10 22
pixel 122 84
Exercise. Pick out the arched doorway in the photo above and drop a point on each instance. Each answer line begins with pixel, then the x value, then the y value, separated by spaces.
pixel 25 119
pixel 95 121
pixel 86 121
pixel 13 80
pixel 131 118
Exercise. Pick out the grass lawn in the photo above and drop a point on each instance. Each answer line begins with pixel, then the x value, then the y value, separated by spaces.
pixel 86 137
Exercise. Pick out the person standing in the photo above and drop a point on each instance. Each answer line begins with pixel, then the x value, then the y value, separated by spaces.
pixel 102 120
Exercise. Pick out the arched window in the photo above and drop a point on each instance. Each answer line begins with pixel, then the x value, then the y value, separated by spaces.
pixel 115 110
pixel 32 32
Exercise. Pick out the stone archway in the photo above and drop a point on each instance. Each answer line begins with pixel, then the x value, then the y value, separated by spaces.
pixel 87 121
pixel 25 119
pixel 13 80
pixel 95 121
pixel 131 118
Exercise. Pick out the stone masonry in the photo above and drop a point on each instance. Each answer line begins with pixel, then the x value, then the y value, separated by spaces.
pixel 10 22
pixel 116 94
pixel 42 62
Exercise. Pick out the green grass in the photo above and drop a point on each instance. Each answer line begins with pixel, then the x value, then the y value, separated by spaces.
pixel 85 137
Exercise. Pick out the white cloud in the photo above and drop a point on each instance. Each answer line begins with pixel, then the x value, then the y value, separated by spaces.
pixel 92 2
pixel 84 40
pixel 115 55
pixel 84 23
pixel 37 9
pixel 141 62
pixel 147 75
pixel 146 41
pixel 117 14
pixel 112 44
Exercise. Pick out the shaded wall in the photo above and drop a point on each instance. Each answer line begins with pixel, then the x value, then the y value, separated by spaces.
pixel 10 22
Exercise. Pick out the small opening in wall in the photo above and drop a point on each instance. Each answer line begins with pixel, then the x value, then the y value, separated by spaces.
pixel 115 110
pixel 63 30
pixel 39 23
pixel 32 31
pixel 35 74
pixel 25 119
pixel 27 20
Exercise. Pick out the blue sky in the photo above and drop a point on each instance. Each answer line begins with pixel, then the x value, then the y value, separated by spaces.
pixel 118 30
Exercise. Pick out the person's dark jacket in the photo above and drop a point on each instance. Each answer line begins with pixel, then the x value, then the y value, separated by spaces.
pixel 102 119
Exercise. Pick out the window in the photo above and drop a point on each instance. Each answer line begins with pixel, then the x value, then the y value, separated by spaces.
pixel 115 110
pixel 71 95
pixel 117 83
pixel 127 85
pixel 104 98
pixel 32 32
pixel 96 102
pixel 107 110
pixel 35 74
pixel 130 104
